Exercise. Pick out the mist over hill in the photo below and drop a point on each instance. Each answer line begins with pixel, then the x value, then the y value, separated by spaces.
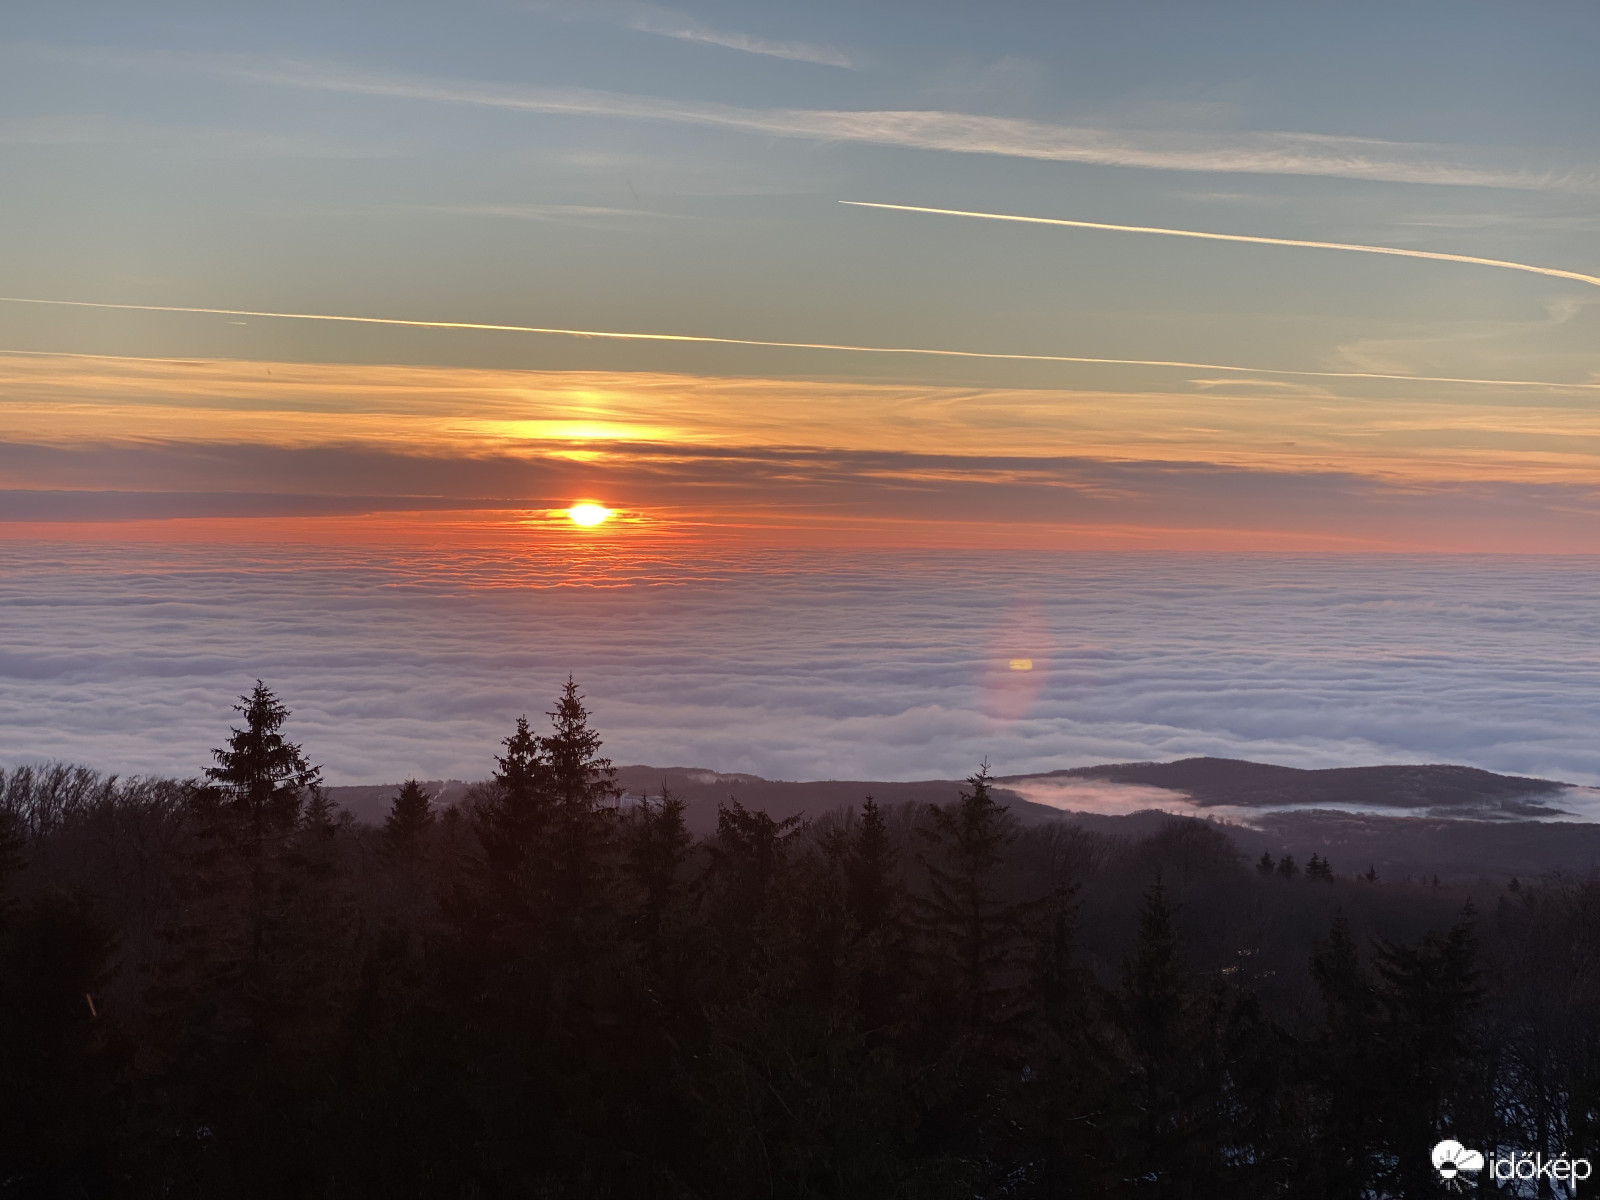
pixel 1404 821
pixel 1230 781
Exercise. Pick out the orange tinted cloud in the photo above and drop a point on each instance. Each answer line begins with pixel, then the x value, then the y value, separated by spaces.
pixel 344 450
pixel 1426 434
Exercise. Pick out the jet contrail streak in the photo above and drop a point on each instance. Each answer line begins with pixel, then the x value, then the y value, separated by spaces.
pixel 1555 272
pixel 834 346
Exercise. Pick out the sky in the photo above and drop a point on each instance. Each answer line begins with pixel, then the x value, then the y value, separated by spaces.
pixel 634 168
pixel 876 327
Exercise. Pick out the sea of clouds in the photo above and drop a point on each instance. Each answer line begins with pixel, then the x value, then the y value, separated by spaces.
pixel 801 664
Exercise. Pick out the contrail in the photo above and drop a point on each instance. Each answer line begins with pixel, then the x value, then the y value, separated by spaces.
pixel 1239 237
pixel 833 346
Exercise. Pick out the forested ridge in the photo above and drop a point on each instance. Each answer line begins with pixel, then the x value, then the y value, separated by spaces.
pixel 224 987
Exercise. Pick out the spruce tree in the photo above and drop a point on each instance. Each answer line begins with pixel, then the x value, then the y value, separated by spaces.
pixel 320 818
pixel 583 791
pixel 874 885
pixel 260 774
pixel 972 930
pixel 261 780
pixel 1343 1064
pixel 409 821
pixel 258 952
pixel 1429 994
pixel 658 852
pixel 749 854
pixel 1181 1098
pixel 513 819
pixel 1072 1075
pixel 1154 980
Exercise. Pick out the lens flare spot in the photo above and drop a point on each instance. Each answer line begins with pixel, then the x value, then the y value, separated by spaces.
pixel 1021 664
pixel 589 514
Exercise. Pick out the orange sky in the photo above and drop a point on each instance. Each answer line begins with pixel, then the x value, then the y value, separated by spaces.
pixel 247 450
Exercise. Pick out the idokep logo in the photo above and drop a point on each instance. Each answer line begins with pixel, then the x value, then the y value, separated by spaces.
pixel 1451 1158
pixel 1453 1161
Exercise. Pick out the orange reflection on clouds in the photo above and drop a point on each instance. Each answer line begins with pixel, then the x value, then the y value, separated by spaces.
pixel 1418 435
pixel 1014 677
pixel 789 462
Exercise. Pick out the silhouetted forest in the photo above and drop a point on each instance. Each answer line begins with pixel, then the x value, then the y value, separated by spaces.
pixel 223 987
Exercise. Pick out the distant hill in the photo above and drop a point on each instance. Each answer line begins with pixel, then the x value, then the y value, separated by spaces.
pixel 1420 839
pixel 704 789
pixel 1232 781
pixel 370 802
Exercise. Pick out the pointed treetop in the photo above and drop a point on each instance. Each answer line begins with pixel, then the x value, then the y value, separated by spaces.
pixel 522 766
pixel 578 773
pixel 410 817
pixel 259 771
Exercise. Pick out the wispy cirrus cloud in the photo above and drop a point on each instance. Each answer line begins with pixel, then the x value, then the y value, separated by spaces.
pixel 667 22
pixel 1260 152
pixel 827 347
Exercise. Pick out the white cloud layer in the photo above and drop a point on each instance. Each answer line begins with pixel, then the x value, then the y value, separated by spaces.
pixel 801 665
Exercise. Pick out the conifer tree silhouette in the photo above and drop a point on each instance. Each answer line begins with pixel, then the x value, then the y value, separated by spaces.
pixel 871 869
pixel 259 773
pixel 410 819
pixel 749 855
pixel 583 791
pixel 972 929
pixel 1342 1057
pixel 262 779
pixel 1170 1024
pixel 658 855
pixel 1428 994
pixel 513 819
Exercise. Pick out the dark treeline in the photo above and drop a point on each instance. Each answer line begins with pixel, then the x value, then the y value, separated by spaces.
pixel 222 988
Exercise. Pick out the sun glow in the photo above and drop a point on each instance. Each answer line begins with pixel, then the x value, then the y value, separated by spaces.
pixel 589 514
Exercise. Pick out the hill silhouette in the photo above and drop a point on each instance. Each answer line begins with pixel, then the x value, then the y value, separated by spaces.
pixel 1459 822
pixel 1207 782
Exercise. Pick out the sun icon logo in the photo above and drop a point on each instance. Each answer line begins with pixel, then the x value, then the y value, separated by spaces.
pixel 1451 1158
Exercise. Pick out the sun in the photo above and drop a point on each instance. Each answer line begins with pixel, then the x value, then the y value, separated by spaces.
pixel 588 513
